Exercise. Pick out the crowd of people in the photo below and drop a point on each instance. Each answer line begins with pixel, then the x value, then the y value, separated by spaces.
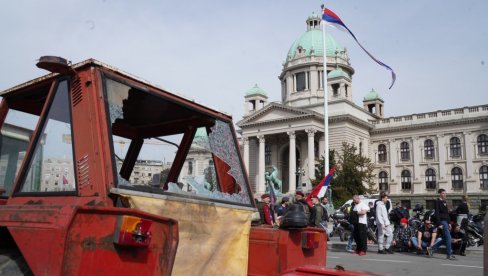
pixel 394 233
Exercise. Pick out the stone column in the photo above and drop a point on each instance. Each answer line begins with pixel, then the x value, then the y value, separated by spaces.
pixel 311 153
pixel 469 150
pixel 442 154
pixel 393 159
pixel 245 142
pixel 416 152
pixel 342 89
pixel 292 166
pixel 261 180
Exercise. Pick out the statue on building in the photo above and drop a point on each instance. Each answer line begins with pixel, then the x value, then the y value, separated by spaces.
pixel 273 181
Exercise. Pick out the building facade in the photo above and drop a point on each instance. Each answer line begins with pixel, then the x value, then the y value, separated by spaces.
pixel 414 155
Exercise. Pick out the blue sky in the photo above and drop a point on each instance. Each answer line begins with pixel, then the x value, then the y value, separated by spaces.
pixel 213 51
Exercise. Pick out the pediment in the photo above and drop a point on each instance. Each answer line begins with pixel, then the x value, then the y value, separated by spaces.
pixel 275 112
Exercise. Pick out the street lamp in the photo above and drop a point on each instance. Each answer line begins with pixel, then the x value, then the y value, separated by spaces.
pixel 299 173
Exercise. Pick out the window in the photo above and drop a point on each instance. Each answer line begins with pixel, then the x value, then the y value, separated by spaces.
pixel 267 154
pixel 406 180
pixel 455 147
pixel 483 144
pixel 429 149
pixel 335 89
pixel 159 131
pixel 484 177
pixel 404 151
pixel 430 204
pixel 383 181
pixel 300 81
pixel 381 153
pixel 483 205
pixel 51 145
pixel 360 148
pixel 190 167
pixel 457 178
pixel 430 179
pixel 406 203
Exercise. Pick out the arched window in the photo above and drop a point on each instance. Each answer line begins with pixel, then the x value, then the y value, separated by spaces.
pixel 190 167
pixel 455 147
pixel 383 181
pixel 429 149
pixel 484 177
pixel 483 144
pixel 457 178
pixel 405 151
pixel 406 180
pixel 430 179
pixel 381 153
pixel 267 154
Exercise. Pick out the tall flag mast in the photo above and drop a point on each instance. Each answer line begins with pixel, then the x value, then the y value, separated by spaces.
pixel 330 18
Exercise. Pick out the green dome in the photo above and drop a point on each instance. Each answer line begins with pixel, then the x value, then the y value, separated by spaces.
pixel 372 95
pixel 338 72
pixel 255 91
pixel 312 39
pixel 201 133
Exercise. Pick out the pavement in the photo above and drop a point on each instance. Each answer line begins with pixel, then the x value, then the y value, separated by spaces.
pixel 336 245
pixel 405 263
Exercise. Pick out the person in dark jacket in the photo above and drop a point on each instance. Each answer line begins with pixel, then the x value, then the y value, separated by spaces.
pixel 442 221
pixel 462 210
pixel 300 199
pixel 458 240
pixel 402 236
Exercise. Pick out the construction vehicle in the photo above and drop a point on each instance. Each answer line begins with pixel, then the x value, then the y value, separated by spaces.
pixel 176 200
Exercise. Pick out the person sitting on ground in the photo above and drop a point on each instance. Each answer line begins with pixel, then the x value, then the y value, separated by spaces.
pixel 426 238
pixel 402 236
pixel 458 240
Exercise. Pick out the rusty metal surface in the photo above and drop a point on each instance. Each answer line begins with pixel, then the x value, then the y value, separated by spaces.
pixel 79 240
pixel 273 251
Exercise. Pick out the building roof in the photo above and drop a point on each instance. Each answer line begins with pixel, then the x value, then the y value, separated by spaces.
pixel 338 72
pixel 255 91
pixel 372 95
pixel 312 39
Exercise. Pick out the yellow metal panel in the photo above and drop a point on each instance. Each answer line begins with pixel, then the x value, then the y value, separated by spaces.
pixel 213 240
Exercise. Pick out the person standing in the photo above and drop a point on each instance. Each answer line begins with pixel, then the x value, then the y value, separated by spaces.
pixel 352 219
pixel 462 210
pixel 384 226
pixel 269 217
pixel 283 207
pixel 300 199
pixel 360 227
pixel 442 221
pixel 317 213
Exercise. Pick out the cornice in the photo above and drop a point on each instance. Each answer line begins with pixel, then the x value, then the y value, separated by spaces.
pixel 462 121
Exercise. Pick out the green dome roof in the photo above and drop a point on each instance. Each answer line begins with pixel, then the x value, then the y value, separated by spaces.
pixel 372 95
pixel 312 39
pixel 255 91
pixel 338 72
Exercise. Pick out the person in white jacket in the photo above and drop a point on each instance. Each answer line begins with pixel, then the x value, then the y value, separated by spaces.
pixel 384 226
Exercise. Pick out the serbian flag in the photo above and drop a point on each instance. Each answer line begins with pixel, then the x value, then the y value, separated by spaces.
pixel 331 19
pixel 321 188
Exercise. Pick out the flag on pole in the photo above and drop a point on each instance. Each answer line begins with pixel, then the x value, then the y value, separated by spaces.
pixel 321 188
pixel 65 180
pixel 331 19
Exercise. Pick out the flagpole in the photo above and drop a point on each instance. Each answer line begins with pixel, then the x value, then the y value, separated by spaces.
pixel 326 115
